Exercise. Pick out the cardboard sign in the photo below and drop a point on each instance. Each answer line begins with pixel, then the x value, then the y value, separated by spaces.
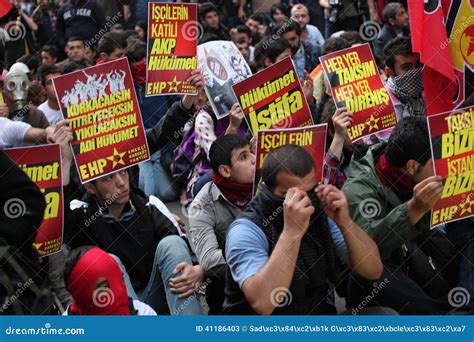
pixel 105 118
pixel 273 98
pixel 222 66
pixel 355 83
pixel 43 165
pixel 312 138
pixel 452 148
pixel 171 46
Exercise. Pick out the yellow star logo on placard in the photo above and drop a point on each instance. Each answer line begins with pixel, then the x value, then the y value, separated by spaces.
pixel 372 123
pixel 37 246
pixel 466 206
pixel 115 160
pixel 173 85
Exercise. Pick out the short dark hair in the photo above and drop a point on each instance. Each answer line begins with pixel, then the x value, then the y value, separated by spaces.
pixel 277 7
pixel 72 259
pixel 44 71
pixel 73 66
pixel 244 29
pixel 285 28
pixel 409 141
pixel 221 149
pixel 206 8
pixel 291 159
pixel 335 44
pixel 50 49
pixel 390 10
pixel 269 48
pixel 31 61
pixel 136 49
pixel 396 46
pixel 77 38
pixel 257 17
pixel 353 37
pixel 111 41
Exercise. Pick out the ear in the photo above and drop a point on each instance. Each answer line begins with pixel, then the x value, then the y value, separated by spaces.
pixel 267 62
pixel 225 171
pixel 90 188
pixel 103 56
pixel 388 71
pixel 412 167
pixel 391 21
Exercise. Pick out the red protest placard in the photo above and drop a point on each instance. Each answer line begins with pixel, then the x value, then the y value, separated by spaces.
pixel 312 138
pixel 355 83
pixel 452 148
pixel 43 165
pixel 171 46
pixel 103 110
pixel 273 98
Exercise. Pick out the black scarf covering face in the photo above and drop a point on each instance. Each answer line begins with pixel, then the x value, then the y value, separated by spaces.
pixel 316 258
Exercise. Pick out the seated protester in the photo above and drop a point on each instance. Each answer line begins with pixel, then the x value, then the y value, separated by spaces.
pixel 50 107
pixel 139 231
pixel 216 206
pixel 209 18
pixel 49 55
pixel 207 128
pixel 75 50
pixel 111 46
pixel 309 34
pixel 305 57
pixel 390 193
pixel 16 88
pixel 396 24
pixel 96 284
pixel 281 241
pixel 257 27
pixel 405 83
pixel 242 37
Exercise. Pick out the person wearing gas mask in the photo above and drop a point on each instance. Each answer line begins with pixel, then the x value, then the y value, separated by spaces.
pixel 15 89
pixel 280 255
pixel 405 82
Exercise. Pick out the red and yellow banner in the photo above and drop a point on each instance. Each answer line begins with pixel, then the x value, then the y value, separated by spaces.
pixel 172 44
pixel 105 118
pixel 43 165
pixel 273 98
pixel 452 145
pixel 312 138
pixel 355 83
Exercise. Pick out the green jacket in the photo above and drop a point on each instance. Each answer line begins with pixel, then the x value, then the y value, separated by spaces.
pixel 377 209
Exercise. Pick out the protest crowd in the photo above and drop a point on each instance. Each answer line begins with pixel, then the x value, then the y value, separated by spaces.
pixel 196 222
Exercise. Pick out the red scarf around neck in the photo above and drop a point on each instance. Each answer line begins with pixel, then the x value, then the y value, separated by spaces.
pixel 397 181
pixel 139 73
pixel 238 194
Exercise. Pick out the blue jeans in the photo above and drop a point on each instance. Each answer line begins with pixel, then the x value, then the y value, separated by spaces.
pixel 154 180
pixel 171 251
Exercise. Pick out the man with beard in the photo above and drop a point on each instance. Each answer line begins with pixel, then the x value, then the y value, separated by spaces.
pixel 405 83
pixel 279 251
pixel 305 56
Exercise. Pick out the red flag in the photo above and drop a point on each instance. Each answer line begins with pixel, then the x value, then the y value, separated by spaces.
pixel 5 7
pixel 430 39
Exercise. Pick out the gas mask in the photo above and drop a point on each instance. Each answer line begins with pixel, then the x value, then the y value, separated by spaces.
pixel 17 84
